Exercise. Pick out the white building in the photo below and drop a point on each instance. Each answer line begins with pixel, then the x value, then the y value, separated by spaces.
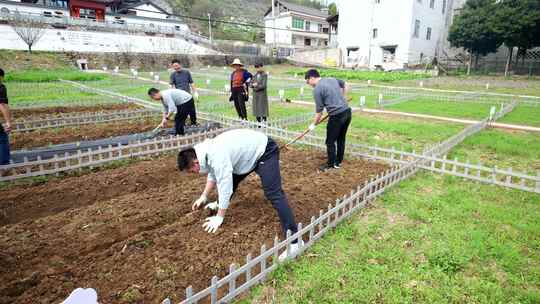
pixel 393 34
pixel 101 26
pixel 295 26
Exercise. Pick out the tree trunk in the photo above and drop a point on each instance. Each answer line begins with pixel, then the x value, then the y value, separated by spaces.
pixel 30 48
pixel 508 61
pixel 469 64
pixel 476 61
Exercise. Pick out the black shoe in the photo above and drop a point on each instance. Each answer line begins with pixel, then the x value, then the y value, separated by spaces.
pixel 337 166
pixel 325 167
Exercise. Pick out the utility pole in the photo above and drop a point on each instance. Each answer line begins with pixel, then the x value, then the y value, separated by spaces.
pixel 210 27
pixel 274 21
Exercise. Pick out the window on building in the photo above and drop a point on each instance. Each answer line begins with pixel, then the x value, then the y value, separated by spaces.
pixel 297 23
pixel 308 26
pixel 307 41
pixel 87 13
pixel 377 1
pixel 428 34
pixel 294 40
pixel 320 28
pixel 416 28
pixel 431 3
pixel 325 30
pixel 375 33
pixel 443 6
pixel 419 1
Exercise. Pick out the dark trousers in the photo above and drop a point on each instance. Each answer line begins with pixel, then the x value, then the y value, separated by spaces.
pixel 336 132
pixel 182 113
pixel 268 170
pixel 238 95
pixel 4 148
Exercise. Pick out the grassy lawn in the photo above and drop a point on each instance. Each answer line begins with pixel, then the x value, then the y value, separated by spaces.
pixel 524 115
pixel 402 133
pixel 431 239
pixel 504 149
pixel 276 110
pixel 444 108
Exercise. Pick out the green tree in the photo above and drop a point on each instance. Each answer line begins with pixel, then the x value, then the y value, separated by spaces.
pixel 474 29
pixel 518 25
pixel 332 9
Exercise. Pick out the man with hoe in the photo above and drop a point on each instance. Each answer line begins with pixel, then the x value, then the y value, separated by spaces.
pixel 329 94
pixel 227 160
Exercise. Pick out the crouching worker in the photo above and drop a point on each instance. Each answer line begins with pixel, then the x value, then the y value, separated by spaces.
pixel 228 159
pixel 174 101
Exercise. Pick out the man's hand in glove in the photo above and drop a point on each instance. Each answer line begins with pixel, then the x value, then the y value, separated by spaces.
pixel 212 206
pixel 212 223
pixel 201 200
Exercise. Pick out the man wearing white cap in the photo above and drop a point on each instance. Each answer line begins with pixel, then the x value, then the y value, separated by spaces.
pixel 240 80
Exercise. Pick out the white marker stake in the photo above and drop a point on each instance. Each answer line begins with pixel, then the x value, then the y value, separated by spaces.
pixel 421 84
pixel 302 92
pixel 492 113
pixel 369 82
pixel 105 68
pixel 156 78
pixel 380 98
pixel 226 87
pixel 116 70
pixel 151 73
pixel 135 74
pixel 208 81
pixel 281 94
pixel 487 86
pixel 362 101
pixel 295 75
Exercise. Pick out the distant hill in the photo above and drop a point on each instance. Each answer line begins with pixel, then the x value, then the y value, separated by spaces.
pixel 243 11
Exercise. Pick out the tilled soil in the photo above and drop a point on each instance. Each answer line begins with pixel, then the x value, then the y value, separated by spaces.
pixel 45 112
pixel 130 232
pixel 45 137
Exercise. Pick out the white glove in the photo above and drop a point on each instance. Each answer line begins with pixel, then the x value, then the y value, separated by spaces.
pixel 196 96
pixel 212 223
pixel 201 200
pixel 212 206
pixel 311 127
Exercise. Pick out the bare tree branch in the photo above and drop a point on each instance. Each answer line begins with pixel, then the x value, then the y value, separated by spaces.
pixel 29 28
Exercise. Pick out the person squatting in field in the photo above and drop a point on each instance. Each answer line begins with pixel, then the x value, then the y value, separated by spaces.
pixel 329 94
pixel 240 79
pixel 174 101
pixel 227 160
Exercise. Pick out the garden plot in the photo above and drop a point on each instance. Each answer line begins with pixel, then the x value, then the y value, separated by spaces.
pixel 48 112
pixel 52 94
pixel 505 149
pixel 389 131
pixel 524 115
pixel 452 109
pixel 432 239
pixel 130 232
pixel 46 137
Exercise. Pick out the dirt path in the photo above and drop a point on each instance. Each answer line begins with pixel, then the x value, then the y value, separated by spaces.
pixel 42 113
pixel 45 137
pixel 130 232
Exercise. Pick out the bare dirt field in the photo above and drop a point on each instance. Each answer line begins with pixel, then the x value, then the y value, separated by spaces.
pixel 130 233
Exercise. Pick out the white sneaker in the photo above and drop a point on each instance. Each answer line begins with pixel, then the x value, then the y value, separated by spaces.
pixel 293 251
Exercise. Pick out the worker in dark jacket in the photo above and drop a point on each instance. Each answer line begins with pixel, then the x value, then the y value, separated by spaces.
pixel 4 130
pixel 240 80
pixel 260 95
